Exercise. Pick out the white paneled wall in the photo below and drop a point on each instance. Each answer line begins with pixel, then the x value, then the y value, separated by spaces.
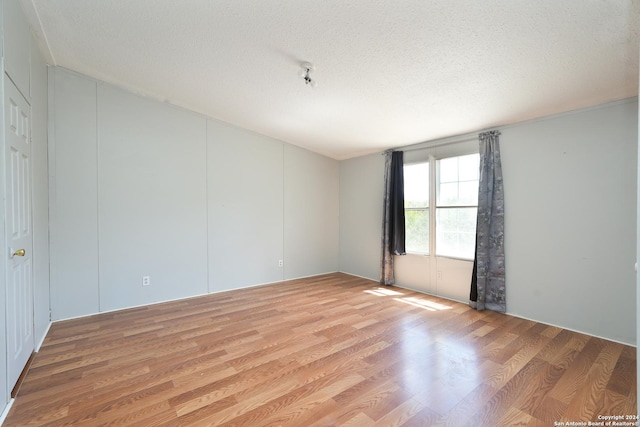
pixel 453 278
pixel 361 198
pixel 570 209
pixel 140 188
pixel 40 196
pixel 17 50
pixel 73 202
pixel 245 207
pixel 311 210
pixel 415 272
pixel 152 187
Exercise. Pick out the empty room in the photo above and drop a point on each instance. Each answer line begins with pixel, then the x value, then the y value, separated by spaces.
pixel 319 213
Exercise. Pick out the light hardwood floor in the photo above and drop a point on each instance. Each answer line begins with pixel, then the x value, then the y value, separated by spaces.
pixel 332 350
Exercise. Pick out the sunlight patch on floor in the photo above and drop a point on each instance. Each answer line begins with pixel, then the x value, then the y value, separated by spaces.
pixel 426 304
pixel 382 292
pixel 414 301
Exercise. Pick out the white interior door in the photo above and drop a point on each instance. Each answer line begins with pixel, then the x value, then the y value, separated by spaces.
pixel 20 339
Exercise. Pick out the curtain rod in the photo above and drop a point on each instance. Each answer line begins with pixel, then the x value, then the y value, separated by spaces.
pixel 426 145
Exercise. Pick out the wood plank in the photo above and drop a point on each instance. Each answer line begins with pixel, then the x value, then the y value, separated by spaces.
pixel 321 351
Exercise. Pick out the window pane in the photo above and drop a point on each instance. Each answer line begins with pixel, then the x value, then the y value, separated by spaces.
pixel 448 194
pixel 417 230
pixel 458 181
pixel 456 232
pixel 448 169
pixel 468 167
pixel 468 193
pixel 416 185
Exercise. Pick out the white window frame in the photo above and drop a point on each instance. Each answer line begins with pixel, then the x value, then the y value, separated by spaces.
pixel 432 157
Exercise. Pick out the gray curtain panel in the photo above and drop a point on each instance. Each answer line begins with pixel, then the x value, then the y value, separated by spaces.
pixel 393 229
pixel 487 283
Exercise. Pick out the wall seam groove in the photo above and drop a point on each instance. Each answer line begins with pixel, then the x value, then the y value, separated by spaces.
pixel 98 197
pixel 206 206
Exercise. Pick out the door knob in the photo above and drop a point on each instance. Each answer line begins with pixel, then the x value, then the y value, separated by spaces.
pixel 19 252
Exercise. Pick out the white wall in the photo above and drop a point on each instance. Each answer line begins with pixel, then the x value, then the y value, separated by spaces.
pixel 140 188
pixel 151 200
pixel 40 196
pixel 570 208
pixel 245 173
pixel 361 198
pixel 570 204
pixel 311 212
pixel 73 202
pixel 17 47
pixel 445 277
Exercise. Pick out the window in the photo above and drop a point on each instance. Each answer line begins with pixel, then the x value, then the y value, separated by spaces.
pixel 452 187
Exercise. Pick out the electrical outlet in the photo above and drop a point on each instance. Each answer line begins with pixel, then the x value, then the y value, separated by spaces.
pixel 146 280
pixel 280 263
pixel 440 275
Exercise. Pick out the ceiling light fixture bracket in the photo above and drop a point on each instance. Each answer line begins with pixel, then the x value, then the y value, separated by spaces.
pixel 307 68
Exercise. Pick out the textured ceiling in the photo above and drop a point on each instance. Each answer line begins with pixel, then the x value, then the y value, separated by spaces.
pixel 388 72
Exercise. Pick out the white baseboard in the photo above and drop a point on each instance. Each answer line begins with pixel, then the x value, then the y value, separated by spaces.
pixel 4 414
